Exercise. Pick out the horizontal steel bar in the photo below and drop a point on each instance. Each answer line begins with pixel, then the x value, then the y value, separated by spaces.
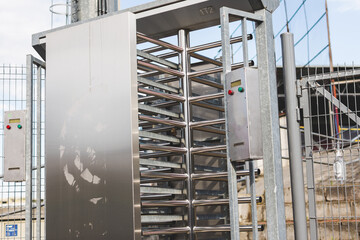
pixel 216 44
pixel 165 231
pixel 207 149
pixel 148 108
pixel 207 82
pixel 158 85
pixel 163 148
pixel 153 58
pixel 170 203
pixel 159 129
pixel 206 59
pixel 162 121
pixel 154 49
pixel 225 229
pixel 202 176
pixel 155 163
pixel 168 176
pixel 209 106
pixel 155 196
pixel 161 95
pixel 160 218
pixel 210 130
pixel 160 190
pixel 159 42
pixel 216 70
pixel 207 123
pixel 157 136
pixel 213 202
pixel 160 69
pixel 206 97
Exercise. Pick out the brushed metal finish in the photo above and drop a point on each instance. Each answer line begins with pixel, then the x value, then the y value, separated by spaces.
pixel 244 119
pixel 92 148
pixel 14 146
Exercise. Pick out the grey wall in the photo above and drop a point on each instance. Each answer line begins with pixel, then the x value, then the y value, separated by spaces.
pixel 92 178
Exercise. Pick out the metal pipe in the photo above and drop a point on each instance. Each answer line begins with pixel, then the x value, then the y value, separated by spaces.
pixel 163 148
pixel 162 95
pixel 159 42
pixel 294 138
pixel 207 149
pixel 206 59
pixel 202 176
pixel 212 202
pixel 162 231
pixel 160 69
pixel 207 123
pixel 216 44
pixel 225 228
pixel 28 148
pixel 162 121
pixel 217 69
pixel 207 82
pixel 206 97
pixel 38 152
pixel 232 175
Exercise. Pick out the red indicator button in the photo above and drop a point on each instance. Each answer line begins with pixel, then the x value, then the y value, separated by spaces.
pixel 231 92
pixel 8 127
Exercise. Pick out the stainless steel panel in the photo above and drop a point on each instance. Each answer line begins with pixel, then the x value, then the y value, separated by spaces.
pixel 92 155
pixel 244 120
pixel 14 146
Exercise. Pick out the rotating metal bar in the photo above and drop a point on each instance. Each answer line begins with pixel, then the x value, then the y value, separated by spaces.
pixel 157 85
pixel 158 137
pixel 160 69
pixel 153 58
pixel 224 229
pixel 216 44
pixel 159 42
pixel 165 231
pixel 163 148
pixel 161 94
pixel 148 162
pixel 206 97
pixel 207 123
pixel 147 108
pixel 162 121
pixel 207 149
pixel 207 82
pixel 209 106
pixel 206 59
pixel 216 70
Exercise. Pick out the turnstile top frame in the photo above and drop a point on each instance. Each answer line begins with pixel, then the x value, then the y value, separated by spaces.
pixel 163 18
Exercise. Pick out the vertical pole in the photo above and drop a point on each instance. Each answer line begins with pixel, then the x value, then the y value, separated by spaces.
pixel 183 39
pixel 305 105
pixel 294 138
pixel 28 148
pixel 273 175
pixel 232 179
pixel 250 164
pixel 253 201
pixel 38 153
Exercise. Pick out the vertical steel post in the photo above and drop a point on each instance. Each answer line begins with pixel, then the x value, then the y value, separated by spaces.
pixel 28 148
pixel 38 153
pixel 183 39
pixel 232 179
pixel 294 138
pixel 305 105
pixel 273 175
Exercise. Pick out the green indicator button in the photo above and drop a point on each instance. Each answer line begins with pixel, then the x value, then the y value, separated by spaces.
pixel 241 89
pixel 19 126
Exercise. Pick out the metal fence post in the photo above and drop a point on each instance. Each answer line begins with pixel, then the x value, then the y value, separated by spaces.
pixel 29 150
pixel 232 179
pixel 305 105
pixel 273 175
pixel 294 138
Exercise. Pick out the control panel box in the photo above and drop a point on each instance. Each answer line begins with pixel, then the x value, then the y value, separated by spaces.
pixel 14 146
pixel 243 115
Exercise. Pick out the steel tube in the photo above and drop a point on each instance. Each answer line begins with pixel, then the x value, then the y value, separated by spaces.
pixel 171 203
pixel 213 202
pixel 162 121
pixel 209 106
pixel 163 148
pixel 207 123
pixel 38 152
pixel 225 228
pixel 160 69
pixel 202 176
pixel 180 230
pixel 162 95
pixel 294 138
pixel 207 149
pixel 159 42
pixel 206 97
pixel 216 44
pixel 216 70
pixel 28 148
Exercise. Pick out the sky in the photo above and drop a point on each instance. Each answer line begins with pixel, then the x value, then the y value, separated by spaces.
pixel 19 19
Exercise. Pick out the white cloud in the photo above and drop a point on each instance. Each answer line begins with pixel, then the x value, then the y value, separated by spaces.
pixel 346 5
pixel 19 19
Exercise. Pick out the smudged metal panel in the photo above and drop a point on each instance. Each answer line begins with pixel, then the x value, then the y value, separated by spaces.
pixel 92 156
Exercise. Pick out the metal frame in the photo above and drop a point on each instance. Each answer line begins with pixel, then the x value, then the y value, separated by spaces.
pixel 32 62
